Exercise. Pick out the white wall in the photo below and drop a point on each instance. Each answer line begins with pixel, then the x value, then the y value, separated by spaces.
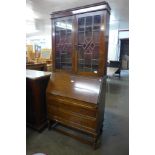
pixel 123 34
pixel 114 42
pixel 113 45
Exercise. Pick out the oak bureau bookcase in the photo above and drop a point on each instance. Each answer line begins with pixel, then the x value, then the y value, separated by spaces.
pixel 76 90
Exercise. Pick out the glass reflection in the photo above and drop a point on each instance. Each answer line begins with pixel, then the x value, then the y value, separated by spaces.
pixel 63 25
pixel 86 87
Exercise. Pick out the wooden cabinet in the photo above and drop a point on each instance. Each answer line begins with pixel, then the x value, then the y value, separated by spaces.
pixel 36 83
pixel 80 39
pixel 75 94
pixel 77 102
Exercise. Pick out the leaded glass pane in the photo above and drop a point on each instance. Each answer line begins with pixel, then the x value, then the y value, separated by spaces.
pixel 63 43
pixel 88 43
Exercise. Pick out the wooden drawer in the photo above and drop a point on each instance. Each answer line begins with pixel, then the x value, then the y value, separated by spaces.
pixel 72 106
pixel 71 116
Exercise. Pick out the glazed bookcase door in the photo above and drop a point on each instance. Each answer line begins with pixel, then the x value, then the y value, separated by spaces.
pixel 88 42
pixel 80 42
pixel 62 30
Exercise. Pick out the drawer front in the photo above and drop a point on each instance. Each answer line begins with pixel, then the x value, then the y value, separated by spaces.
pixel 71 117
pixel 72 107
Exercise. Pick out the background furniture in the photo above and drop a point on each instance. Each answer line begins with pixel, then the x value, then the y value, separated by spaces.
pixel 36 83
pixel 80 39
pixel 111 71
pixel 36 66
pixel 116 64
pixel 124 54
pixel 77 102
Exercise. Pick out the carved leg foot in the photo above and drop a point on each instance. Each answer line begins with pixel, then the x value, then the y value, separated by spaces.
pixel 49 125
pixel 101 129
pixel 95 142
